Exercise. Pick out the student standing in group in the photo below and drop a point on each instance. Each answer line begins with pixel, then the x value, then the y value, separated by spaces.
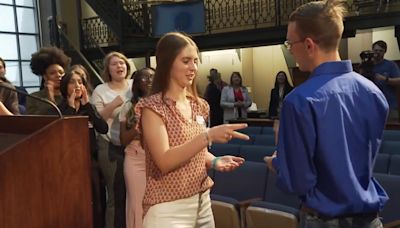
pixel 108 99
pixel 49 63
pixel 235 99
pixel 213 96
pixel 173 126
pixel 8 98
pixel 331 127
pixel 278 93
pixel 134 161
pixel 75 92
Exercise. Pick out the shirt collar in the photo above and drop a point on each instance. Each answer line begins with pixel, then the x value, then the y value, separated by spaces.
pixel 333 68
pixel 170 101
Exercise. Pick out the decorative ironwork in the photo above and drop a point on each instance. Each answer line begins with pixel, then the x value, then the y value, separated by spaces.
pixel 138 11
pixel 97 33
pixel 221 16
pixel 228 15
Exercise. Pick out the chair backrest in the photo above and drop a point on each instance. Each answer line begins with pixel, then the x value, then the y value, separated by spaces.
pixel 243 142
pixel 255 153
pixel 246 182
pixel 264 140
pixel 382 163
pixel 225 214
pixel 267 131
pixel 225 149
pixel 394 166
pixel 390 147
pixel 252 130
pixel 274 195
pixel 268 215
pixel 391 184
pixel 391 135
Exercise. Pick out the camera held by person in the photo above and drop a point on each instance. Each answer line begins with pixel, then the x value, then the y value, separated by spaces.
pixel 366 67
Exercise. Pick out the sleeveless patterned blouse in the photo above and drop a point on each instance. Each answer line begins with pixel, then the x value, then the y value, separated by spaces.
pixel 190 178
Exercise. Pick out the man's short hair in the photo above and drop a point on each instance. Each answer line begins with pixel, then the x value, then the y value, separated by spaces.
pixel 321 21
pixel 381 44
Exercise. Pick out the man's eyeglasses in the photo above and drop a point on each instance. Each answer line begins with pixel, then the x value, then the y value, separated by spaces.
pixel 288 44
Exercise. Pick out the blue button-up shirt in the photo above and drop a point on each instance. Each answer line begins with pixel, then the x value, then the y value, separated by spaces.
pixel 330 132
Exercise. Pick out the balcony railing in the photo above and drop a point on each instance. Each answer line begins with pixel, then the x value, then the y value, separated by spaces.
pixel 97 33
pixel 227 15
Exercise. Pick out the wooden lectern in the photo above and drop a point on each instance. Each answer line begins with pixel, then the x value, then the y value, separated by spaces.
pixel 45 172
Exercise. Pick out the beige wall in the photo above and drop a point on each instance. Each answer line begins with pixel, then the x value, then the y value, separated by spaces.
pixel 267 62
pixel 387 34
pixel 68 15
pixel 247 55
pixel 258 67
pixel 87 11
pixel 225 61
pixel 361 42
pixel 365 38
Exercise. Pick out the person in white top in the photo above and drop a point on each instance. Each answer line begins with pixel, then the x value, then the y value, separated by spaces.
pixel 108 99
pixel 235 99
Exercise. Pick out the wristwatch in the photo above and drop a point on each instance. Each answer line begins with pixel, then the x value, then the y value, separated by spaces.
pixel 387 79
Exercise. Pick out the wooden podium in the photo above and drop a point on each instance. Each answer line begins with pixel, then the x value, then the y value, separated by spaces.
pixel 45 172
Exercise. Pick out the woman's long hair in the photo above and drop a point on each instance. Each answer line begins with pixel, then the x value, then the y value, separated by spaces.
pixel 168 48
pixel 287 84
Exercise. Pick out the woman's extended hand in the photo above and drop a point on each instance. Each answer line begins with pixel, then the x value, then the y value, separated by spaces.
pixel 228 163
pixel 225 132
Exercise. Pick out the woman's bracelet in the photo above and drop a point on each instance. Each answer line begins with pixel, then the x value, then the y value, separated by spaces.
pixel 208 138
pixel 214 162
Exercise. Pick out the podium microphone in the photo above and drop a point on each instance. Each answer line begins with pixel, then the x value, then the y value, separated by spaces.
pixel 3 85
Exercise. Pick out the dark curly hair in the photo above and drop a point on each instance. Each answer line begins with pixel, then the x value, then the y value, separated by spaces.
pixel 46 57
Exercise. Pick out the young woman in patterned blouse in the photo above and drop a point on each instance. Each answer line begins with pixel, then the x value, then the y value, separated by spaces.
pixel 173 125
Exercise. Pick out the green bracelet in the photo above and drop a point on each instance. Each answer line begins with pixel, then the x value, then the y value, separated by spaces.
pixel 214 162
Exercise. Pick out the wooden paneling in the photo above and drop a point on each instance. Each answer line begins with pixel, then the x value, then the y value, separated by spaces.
pixel 45 178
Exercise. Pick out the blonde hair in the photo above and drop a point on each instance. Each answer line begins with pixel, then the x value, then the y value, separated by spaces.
pixel 321 21
pixel 106 64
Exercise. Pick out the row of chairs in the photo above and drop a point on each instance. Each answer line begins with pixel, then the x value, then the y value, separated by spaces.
pixel 261 140
pixel 390 147
pixel 387 146
pixel 254 130
pixel 388 163
pixel 390 135
pixel 248 197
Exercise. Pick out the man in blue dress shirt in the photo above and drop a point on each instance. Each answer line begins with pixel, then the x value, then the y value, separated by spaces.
pixel 331 127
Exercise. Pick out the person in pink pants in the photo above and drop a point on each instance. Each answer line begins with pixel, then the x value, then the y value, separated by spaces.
pixel 134 161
